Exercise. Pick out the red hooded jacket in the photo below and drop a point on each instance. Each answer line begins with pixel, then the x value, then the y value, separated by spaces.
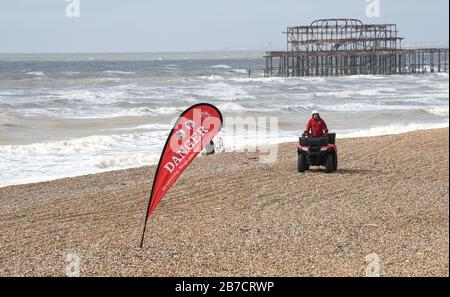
pixel 318 128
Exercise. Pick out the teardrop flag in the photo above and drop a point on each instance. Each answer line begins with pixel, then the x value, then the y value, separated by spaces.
pixel 194 129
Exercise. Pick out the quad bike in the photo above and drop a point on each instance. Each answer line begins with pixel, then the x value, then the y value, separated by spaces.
pixel 317 151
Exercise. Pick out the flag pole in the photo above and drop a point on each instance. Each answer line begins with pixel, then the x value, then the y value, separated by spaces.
pixel 146 217
pixel 143 234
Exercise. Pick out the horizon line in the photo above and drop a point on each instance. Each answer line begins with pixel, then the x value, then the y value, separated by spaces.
pixel 406 45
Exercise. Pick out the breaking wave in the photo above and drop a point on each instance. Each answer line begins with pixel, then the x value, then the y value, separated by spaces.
pixel 118 72
pixel 221 66
pixel 392 129
pixel 224 91
pixel 439 111
pixel 358 93
pixel 36 73
pixel 230 106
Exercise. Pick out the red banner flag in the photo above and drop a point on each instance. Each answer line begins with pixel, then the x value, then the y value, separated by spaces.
pixel 194 129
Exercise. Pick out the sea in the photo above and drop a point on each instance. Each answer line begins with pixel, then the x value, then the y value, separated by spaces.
pixel 64 115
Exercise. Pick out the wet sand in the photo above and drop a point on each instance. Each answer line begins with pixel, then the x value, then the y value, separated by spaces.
pixel 231 215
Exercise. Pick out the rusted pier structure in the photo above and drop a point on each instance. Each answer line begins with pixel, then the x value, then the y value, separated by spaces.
pixel 338 47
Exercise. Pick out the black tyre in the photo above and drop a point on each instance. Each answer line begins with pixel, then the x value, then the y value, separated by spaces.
pixel 302 166
pixel 329 163
pixel 335 162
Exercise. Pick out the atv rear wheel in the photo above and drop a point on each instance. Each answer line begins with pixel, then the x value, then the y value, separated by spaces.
pixel 329 163
pixel 301 163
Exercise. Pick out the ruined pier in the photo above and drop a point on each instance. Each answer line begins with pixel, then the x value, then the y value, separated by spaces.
pixel 338 47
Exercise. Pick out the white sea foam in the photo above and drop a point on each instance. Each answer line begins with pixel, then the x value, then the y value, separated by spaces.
pixel 140 111
pixel 241 71
pixel 71 73
pixel 76 146
pixel 91 96
pixel 221 66
pixel 125 87
pixel 190 100
pixel 97 153
pixel 356 93
pixel 392 129
pixel 6 119
pixel 36 73
pixel 118 72
pixel 108 79
pixel 279 80
pixel 147 127
pixel 224 91
pixel 231 106
pixel 125 161
pixel 66 113
pixel 212 77
pixel 363 107
pixel 12 93
pixel 439 111
pixel 363 77
pixel 299 88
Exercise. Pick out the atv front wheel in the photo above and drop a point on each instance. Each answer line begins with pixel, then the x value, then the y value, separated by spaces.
pixel 329 163
pixel 301 163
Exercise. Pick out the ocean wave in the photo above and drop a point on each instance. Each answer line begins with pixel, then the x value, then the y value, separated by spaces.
pixel 299 88
pixel 108 80
pixel 363 107
pixel 221 66
pixel 118 72
pixel 91 96
pixel 147 127
pixel 125 87
pixel 101 113
pixel 125 161
pixel 439 111
pixel 363 77
pixel 36 73
pixel 367 107
pixel 223 91
pixel 258 79
pixel 190 100
pixel 70 73
pixel 357 93
pixel 27 163
pixel 89 145
pixel 296 108
pixel 212 77
pixel 392 129
pixel 12 93
pixel 441 74
pixel 414 99
pixel 240 71
pixel 230 106
pixel 141 111
pixel 7 120
pixel 67 147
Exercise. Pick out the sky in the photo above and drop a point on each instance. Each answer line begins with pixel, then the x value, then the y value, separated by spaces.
pixel 42 26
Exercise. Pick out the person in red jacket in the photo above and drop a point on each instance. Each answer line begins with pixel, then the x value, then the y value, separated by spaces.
pixel 316 125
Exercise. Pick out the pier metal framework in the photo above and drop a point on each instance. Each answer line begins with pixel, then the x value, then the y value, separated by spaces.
pixel 338 47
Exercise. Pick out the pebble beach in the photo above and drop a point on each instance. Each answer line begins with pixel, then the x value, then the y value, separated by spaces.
pixel 231 215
